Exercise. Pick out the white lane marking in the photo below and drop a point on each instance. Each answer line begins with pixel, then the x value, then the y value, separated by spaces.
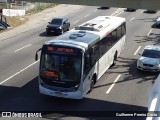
pixel 137 50
pixel 119 13
pixel 22 48
pixel 113 83
pixel 153 103
pixel 149 32
pixel 132 19
pixel 141 11
pixel 115 11
pixel 95 10
pixel 87 15
pixel 76 21
pixel 18 72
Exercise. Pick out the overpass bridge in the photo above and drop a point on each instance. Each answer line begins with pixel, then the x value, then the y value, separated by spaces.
pixel 138 4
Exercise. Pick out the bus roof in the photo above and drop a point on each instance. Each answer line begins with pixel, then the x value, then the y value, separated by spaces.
pixel 88 33
pixel 77 38
pixel 101 22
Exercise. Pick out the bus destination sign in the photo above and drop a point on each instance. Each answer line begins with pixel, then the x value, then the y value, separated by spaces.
pixel 62 50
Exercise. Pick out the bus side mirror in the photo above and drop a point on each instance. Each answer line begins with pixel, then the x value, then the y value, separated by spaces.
pixel 36 55
pixel 139 54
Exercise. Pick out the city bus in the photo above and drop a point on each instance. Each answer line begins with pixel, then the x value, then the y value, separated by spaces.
pixel 70 64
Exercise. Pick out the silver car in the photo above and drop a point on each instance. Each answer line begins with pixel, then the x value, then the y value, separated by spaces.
pixel 157 22
pixel 150 59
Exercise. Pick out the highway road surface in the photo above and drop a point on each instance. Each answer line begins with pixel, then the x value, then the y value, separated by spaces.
pixel 19 72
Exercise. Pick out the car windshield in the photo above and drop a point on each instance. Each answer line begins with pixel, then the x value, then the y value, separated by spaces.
pixel 56 21
pixel 59 67
pixel 151 53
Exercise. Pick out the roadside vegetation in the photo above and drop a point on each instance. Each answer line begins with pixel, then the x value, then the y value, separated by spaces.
pixel 19 20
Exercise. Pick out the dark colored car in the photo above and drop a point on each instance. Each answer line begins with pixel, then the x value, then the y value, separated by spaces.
pixel 104 7
pixel 58 25
pixel 131 9
pixel 151 11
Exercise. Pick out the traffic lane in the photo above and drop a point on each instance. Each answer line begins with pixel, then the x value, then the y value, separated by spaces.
pixel 27 98
pixel 133 86
pixel 141 36
pixel 92 14
pixel 128 68
pixel 29 36
pixel 154 36
pixel 84 15
pixel 111 79
pixel 22 37
pixel 125 60
pixel 12 51
pixel 40 18
pixel 37 70
pixel 137 31
pixel 13 63
pixel 32 35
pixel 85 12
pixel 102 105
pixel 140 14
pixel 129 49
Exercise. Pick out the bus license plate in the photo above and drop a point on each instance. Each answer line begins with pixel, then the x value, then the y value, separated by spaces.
pixel 59 93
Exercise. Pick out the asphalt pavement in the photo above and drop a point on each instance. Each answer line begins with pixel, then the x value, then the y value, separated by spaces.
pixel 37 19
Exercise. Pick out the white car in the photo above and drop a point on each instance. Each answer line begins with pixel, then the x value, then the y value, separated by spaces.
pixel 150 59
pixel 157 22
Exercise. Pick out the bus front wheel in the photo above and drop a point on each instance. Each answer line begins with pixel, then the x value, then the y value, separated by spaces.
pixel 114 59
pixel 91 86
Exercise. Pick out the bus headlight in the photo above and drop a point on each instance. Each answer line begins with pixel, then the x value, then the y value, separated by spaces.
pixel 157 65
pixel 76 87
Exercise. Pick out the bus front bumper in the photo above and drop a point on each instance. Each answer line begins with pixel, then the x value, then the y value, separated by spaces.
pixel 71 95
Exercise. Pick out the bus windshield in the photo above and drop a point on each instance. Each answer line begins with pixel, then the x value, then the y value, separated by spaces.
pixel 59 67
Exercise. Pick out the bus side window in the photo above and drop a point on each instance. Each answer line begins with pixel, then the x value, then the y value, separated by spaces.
pixel 114 36
pixel 119 32
pixel 123 29
pixel 109 42
pixel 94 54
pixel 87 62
pixel 102 46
